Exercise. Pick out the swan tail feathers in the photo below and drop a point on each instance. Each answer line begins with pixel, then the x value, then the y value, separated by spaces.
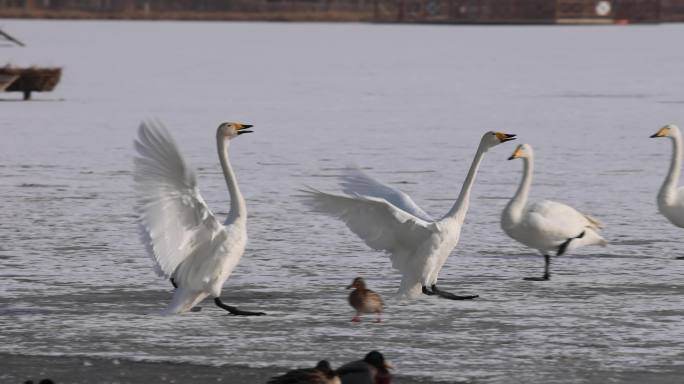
pixel 183 300
pixel 596 223
pixel 410 288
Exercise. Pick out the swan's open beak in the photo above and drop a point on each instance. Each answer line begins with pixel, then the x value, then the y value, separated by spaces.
pixel 242 128
pixel 504 137
pixel 388 365
pixel 662 132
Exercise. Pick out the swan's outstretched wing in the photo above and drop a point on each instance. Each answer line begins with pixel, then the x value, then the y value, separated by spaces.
pixel 174 219
pixel 357 182
pixel 380 224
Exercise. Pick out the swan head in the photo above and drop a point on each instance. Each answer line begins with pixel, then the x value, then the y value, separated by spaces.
pixel 493 138
pixel 669 130
pixel 522 151
pixel 358 283
pixel 231 130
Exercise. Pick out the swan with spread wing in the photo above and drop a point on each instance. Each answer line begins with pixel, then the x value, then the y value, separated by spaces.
pixel 188 244
pixel 387 219
pixel 545 225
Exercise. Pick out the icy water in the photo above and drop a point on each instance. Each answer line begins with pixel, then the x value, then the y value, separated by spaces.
pixel 409 103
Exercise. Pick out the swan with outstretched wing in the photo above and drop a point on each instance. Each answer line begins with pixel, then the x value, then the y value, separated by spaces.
pixel 388 220
pixel 188 244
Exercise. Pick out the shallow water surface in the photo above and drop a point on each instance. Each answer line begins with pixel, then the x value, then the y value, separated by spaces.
pixel 408 103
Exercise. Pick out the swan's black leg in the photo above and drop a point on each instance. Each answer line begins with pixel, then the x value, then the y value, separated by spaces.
pixel 234 310
pixel 564 246
pixel 173 282
pixel 449 295
pixel 679 258
pixel 547 275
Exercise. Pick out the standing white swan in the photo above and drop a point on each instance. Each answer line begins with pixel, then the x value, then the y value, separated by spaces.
pixel 187 242
pixel 671 197
pixel 387 219
pixel 546 225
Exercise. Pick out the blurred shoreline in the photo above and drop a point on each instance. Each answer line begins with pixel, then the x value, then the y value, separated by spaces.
pixel 391 11
pixel 83 369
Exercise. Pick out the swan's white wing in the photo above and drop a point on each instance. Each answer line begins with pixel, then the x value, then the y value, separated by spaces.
pixel 558 221
pixel 174 219
pixel 357 182
pixel 381 225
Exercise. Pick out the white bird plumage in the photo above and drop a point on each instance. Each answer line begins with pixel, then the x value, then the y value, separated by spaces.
pixel 670 196
pixel 387 219
pixel 546 225
pixel 185 239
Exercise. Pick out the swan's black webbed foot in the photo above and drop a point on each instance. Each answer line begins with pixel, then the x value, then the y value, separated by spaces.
pixel 427 292
pixel 564 246
pixel 543 278
pixel 679 258
pixel 449 295
pixel 234 310
pixel 547 262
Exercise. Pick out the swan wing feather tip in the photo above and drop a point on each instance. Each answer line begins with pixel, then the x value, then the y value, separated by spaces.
pixel 356 182
pixel 381 225
pixel 172 215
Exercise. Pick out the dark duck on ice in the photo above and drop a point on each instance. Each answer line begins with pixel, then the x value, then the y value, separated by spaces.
pixel 322 373
pixel 373 369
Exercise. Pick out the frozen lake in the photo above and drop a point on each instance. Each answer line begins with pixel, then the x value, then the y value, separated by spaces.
pixel 409 103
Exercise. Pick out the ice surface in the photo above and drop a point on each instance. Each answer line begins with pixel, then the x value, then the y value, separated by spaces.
pixel 408 102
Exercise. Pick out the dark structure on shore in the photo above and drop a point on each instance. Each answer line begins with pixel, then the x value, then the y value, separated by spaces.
pixel 420 11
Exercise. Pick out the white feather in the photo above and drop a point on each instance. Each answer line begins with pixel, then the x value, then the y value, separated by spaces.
pixel 357 182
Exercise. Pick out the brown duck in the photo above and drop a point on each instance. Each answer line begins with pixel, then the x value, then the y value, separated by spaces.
pixel 364 300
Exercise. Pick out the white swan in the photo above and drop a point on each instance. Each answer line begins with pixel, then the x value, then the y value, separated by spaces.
pixel 387 219
pixel 546 225
pixel 187 242
pixel 671 197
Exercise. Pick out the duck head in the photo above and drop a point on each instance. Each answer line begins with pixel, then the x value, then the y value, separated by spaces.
pixel 358 283
pixel 377 360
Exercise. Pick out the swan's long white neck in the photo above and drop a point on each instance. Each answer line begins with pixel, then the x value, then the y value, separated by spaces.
pixel 238 208
pixel 669 188
pixel 515 207
pixel 460 208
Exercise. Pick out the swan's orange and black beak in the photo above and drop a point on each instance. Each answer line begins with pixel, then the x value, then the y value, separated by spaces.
pixel 243 128
pixel 517 153
pixel 662 132
pixel 504 137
